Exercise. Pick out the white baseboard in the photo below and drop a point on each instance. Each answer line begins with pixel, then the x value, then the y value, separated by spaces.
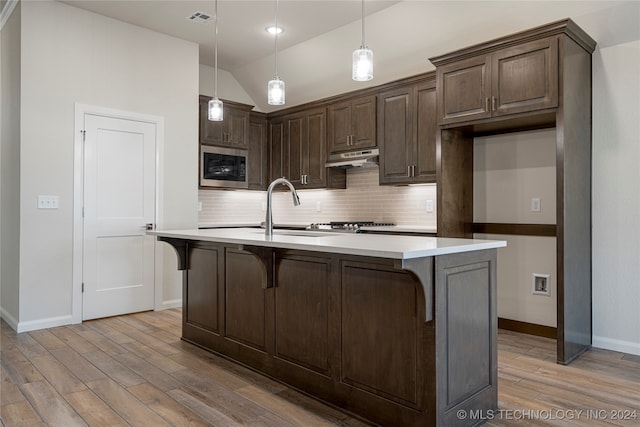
pixel 175 303
pixel 616 345
pixel 51 322
pixel 11 321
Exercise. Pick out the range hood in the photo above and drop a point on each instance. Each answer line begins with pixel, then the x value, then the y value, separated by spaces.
pixel 354 159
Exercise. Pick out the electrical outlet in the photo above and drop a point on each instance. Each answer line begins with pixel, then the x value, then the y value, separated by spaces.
pixel 48 202
pixel 199 205
pixel 429 206
pixel 318 206
pixel 535 204
pixel 541 284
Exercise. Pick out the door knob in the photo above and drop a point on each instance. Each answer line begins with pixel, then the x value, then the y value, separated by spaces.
pixel 149 226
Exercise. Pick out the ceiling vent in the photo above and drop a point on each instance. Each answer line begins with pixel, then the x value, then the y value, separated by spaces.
pixel 200 17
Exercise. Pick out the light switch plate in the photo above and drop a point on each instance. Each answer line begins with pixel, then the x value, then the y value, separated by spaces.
pixel 535 204
pixel 48 202
pixel 429 206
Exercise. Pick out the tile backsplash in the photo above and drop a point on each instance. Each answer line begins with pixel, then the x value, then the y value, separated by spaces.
pixel 362 200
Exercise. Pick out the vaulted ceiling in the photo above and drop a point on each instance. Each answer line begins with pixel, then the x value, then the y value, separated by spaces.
pixel 319 36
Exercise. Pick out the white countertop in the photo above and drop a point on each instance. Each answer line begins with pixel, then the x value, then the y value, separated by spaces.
pixel 362 244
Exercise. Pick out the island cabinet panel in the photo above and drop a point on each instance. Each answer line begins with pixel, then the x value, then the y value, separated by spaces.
pixel 202 291
pixel 467 324
pixel 245 302
pixel 302 311
pixel 517 79
pixel 380 332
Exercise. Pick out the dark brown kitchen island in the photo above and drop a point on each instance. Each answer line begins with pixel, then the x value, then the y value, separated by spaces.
pixel 399 330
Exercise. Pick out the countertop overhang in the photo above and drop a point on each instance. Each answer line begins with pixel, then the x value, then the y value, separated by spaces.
pixel 360 244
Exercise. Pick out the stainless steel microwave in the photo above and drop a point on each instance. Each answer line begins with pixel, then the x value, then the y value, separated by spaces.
pixel 223 167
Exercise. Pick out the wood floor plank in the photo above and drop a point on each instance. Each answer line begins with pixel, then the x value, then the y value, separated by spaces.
pixel 125 404
pixel 18 367
pixel 103 343
pixel 113 369
pixel 168 408
pixel 50 405
pixel 93 410
pixel 68 335
pixel 274 403
pixel 9 391
pixel 46 339
pixel 212 415
pixel 80 366
pixel 19 414
pixel 149 339
pixel 113 334
pixel 154 357
pixel 62 379
pixel 149 372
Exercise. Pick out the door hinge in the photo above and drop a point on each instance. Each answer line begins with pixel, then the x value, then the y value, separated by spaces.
pixel 83 287
pixel 83 212
pixel 84 135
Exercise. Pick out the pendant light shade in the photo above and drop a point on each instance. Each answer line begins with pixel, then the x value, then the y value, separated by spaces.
pixel 215 107
pixel 275 91
pixel 275 87
pixel 362 60
pixel 216 111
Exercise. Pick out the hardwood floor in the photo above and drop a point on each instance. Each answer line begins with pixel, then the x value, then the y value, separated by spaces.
pixel 134 370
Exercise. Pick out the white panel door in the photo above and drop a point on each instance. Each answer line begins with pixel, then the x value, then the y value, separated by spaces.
pixel 119 200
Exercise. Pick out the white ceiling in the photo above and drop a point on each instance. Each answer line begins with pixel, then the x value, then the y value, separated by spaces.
pixel 315 49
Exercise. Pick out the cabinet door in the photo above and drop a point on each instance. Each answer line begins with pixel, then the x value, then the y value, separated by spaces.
pixel 258 149
pixel 202 291
pixel 211 133
pixel 363 120
pixel 525 77
pixel 237 124
pixel 294 136
pixel 464 90
pixel 426 132
pixel 395 134
pixel 380 338
pixel 315 149
pixel 277 152
pixel 302 311
pixel 339 126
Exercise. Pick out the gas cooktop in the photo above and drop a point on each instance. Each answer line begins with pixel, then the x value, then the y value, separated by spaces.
pixel 346 226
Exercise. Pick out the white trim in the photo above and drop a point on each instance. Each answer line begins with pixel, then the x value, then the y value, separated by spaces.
pixel 51 322
pixel 78 197
pixel 6 12
pixel 616 345
pixel 175 303
pixel 11 321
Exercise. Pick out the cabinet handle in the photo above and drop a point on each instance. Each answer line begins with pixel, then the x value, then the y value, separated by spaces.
pixel 413 170
pixel 488 106
pixel 409 171
pixel 493 103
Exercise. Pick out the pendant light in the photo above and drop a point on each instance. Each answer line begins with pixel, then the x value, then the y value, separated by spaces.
pixel 362 65
pixel 216 112
pixel 275 88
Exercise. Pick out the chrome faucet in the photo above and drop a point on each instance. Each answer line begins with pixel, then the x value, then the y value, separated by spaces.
pixel 269 218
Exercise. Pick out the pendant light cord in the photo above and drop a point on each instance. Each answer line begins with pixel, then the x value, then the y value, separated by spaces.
pixel 363 23
pixel 215 54
pixel 276 41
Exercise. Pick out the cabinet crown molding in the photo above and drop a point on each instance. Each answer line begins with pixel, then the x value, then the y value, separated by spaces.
pixel 564 26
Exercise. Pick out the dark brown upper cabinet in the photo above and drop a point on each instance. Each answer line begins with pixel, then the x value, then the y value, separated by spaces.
pixel 258 144
pixel 517 79
pixel 407 132
pixel 232 131
pixel 352 124
pixel 299 150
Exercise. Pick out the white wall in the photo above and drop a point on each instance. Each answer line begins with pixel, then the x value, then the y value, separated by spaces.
pixel 228 86
pixel 508 171
pixel 10 167
pixel 68 56
pixel 616 198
